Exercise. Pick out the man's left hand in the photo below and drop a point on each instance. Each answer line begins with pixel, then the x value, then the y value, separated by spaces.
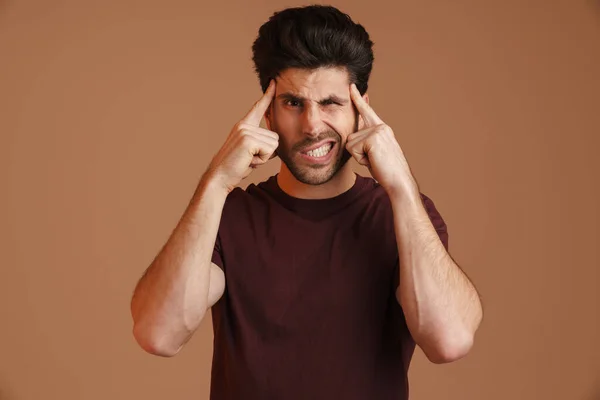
pixel 375 146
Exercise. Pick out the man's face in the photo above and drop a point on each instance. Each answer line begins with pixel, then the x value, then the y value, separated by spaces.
pixel 313 114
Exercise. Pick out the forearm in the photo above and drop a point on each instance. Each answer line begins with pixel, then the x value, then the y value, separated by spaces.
pixel 171 298
pixel 441 306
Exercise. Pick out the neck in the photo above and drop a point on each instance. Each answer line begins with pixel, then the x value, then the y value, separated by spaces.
pixel 342 182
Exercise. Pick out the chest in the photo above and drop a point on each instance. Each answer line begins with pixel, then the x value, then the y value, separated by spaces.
pixel 289 273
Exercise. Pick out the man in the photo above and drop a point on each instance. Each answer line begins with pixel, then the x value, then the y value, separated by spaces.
pixel 321 282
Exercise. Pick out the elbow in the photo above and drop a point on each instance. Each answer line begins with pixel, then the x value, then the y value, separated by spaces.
pixel 450 349
pixel 159 336
pixel 153 343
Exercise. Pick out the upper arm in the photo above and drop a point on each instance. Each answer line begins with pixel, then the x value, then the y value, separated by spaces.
pixel 216 285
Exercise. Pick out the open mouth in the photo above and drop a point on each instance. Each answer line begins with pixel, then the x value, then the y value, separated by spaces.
pixel 320 154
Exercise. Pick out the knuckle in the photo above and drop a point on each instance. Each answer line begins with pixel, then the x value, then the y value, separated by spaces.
pixel 245 132
pixel 246 140
pixel 381 128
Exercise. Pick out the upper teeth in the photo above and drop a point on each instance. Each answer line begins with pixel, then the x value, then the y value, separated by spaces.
pixel 321 151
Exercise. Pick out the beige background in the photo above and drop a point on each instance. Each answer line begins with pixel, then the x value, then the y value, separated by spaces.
pixel 110 112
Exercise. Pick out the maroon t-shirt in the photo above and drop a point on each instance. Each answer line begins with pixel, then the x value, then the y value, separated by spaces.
pixel 309 309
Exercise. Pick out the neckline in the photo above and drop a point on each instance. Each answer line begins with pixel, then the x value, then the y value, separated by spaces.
pixel 314 208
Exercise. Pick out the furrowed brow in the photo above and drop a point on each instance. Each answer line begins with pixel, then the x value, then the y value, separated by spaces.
pixel 335 99
pixel 291 96
pixel 300 99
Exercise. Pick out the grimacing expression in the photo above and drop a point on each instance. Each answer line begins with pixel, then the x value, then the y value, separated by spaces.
pixel 313 114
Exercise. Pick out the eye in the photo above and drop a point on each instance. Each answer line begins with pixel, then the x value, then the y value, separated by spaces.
pixel 330 102
pixel 292 103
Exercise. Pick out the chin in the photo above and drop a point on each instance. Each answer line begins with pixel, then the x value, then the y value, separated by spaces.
pixel 313 177
pixel 316 175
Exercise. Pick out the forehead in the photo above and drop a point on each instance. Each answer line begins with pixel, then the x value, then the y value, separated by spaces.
pixel 314 84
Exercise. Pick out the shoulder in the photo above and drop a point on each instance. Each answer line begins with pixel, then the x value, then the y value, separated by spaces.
pixel 376 194
pixel 240 199
pixel 373 191
pixel 380 202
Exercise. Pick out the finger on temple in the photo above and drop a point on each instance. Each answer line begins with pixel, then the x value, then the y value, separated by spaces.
pixel 368 114
pixel 260 107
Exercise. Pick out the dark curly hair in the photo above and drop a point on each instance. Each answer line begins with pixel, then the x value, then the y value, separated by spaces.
pixel 311 37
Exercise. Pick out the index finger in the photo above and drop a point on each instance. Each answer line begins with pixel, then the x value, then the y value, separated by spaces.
pixel 365 110
pixel 260 107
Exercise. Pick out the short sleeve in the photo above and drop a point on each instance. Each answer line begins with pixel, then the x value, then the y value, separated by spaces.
pixel 217 255
pixel 436 219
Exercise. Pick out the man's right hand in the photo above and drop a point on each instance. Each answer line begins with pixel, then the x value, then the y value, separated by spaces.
pixel 247 146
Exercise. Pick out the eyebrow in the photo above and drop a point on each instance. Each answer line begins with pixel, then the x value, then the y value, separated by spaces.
pixel 300 99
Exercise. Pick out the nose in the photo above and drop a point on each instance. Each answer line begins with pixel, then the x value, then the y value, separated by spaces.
pixel 312 125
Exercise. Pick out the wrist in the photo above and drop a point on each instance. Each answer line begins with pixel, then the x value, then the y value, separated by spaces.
pixel 404 192
pixel 212 183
